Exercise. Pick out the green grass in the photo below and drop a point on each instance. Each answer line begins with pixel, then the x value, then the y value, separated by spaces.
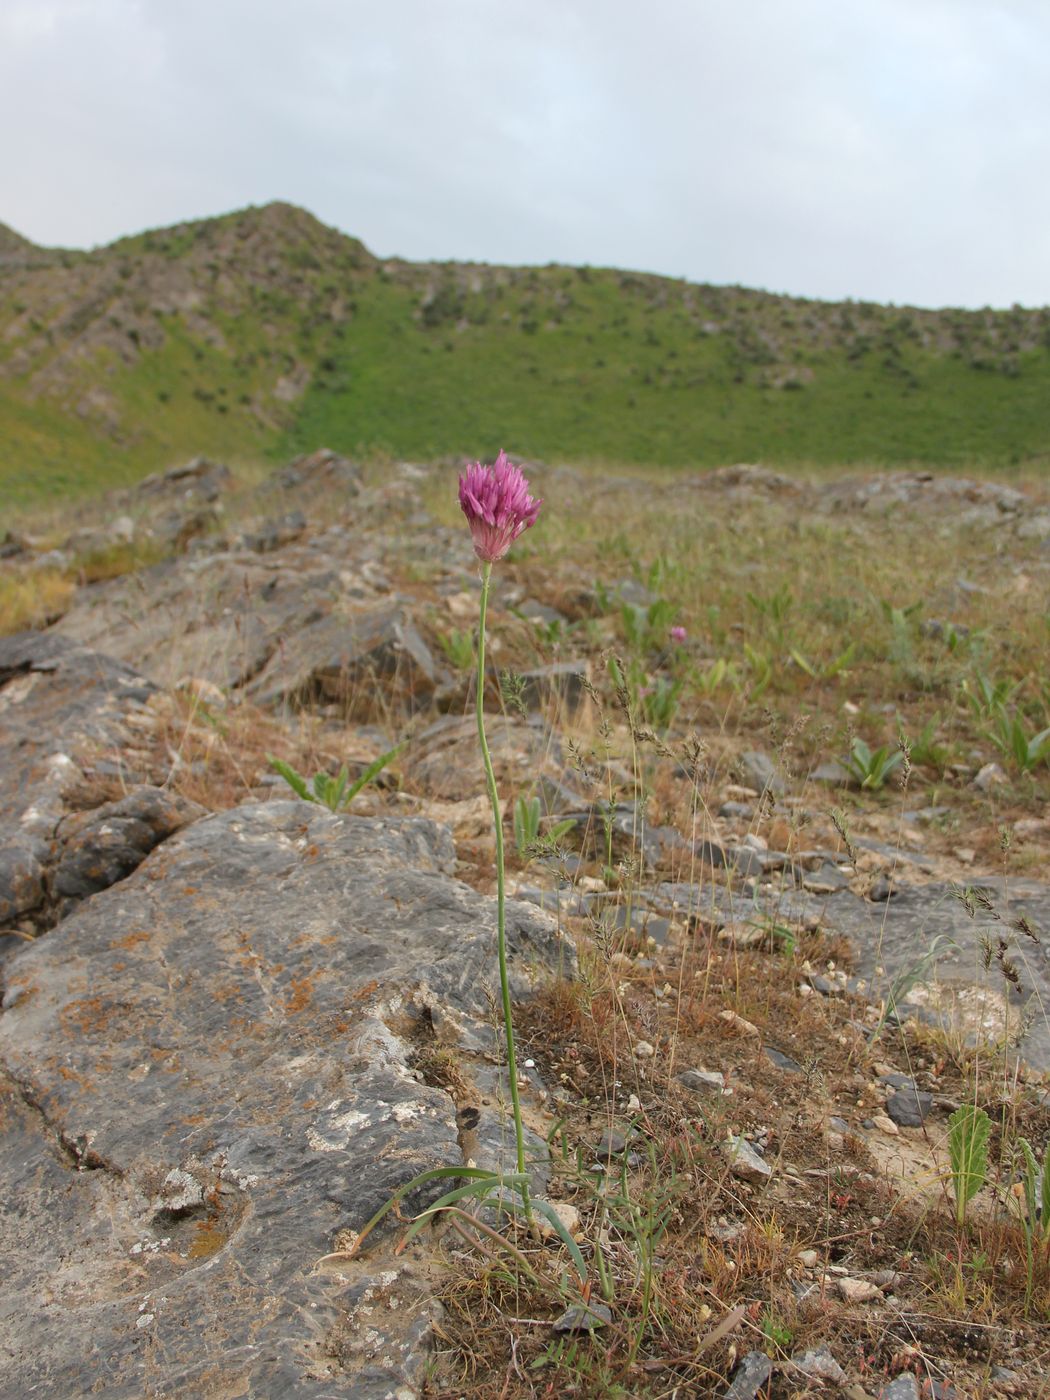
pixel 422 360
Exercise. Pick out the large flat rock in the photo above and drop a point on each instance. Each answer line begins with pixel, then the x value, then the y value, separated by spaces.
pixel 893 937
pixel 206 1075
pixel 929 943
pixel 313 621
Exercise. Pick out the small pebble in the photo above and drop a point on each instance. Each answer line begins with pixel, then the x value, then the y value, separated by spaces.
pixel 566 1213
pixel 579 1318
pixel 703 1081
pixel 858 1290
pixel 745 1161
pixel 988 777
pixel 737 1022
pixel 820 1364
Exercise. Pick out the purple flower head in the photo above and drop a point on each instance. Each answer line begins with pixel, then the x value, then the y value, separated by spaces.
pixel 678 635
pixel 497 505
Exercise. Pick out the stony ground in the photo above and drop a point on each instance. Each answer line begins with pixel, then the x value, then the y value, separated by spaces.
pixel 752 991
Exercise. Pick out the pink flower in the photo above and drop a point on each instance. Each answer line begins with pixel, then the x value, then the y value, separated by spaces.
pixel 497 505
pixel 678 635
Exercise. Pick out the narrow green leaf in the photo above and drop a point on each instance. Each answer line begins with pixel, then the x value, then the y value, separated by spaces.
pixel 548 1212
pixel 803 665
pixel 372 771
pixel 294 780
pixel 434 1174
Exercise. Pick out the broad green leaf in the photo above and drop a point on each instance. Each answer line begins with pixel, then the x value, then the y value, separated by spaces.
pixel 968 1131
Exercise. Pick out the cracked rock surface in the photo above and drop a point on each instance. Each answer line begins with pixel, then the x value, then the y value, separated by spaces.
pixel 293 625
pixel 206 1075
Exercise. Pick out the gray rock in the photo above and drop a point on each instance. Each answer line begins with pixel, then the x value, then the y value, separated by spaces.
pixel 821 1365
pixel 192 483
pixel 744 861
pixel 903 1387
pixel 1035 526
pixel 750 1376
pixel 93 850
pixel 636 917
pixel 314 616
pixel 58 701
pixel 909 1107
pixel 781 1061
pixel 825 985
pixel 323 470
pixel 635 594
pixel 828 878
pixel 897 854
pixel 703 1081
pixel 882 888
pixel 831 774
pixel 747 479
pixel 443 759
pixel 745 1161
pixel 898 1081
pixel 237 1010
pixel 757 770
pixel 539 613
pixel 560 682
pixel 891 938
pixel 989 776
pixel 896 934
pixel 365 659
pixel 564 902
pixel 725 1231
pixel 180 1193
pixel 612 1143
pixel 710 853
pixel 275 534
pixel 580 1318
pixel 632 836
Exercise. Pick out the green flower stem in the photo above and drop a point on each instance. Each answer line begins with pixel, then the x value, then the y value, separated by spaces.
pixel 501 918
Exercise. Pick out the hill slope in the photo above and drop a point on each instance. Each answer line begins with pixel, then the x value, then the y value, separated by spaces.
pixel 264 331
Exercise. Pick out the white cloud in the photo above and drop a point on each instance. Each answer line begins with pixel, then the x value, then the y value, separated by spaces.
pixel 894 150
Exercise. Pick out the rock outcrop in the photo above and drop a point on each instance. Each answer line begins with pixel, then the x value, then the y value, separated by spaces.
pixel 58 701
pixel 207 1077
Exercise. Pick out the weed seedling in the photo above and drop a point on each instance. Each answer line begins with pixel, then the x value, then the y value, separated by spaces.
pixel 336 793
pixel 870 768
pixel 968 1131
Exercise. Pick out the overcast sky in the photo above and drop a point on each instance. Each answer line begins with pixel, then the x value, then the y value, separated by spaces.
pixel 890 150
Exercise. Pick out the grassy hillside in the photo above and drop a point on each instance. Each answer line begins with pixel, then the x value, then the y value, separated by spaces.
pixel 264 332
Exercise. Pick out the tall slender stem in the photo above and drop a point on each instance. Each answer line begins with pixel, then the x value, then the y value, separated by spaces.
pixel 501 919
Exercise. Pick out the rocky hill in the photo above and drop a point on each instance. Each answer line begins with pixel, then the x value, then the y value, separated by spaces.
pixel 262 332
